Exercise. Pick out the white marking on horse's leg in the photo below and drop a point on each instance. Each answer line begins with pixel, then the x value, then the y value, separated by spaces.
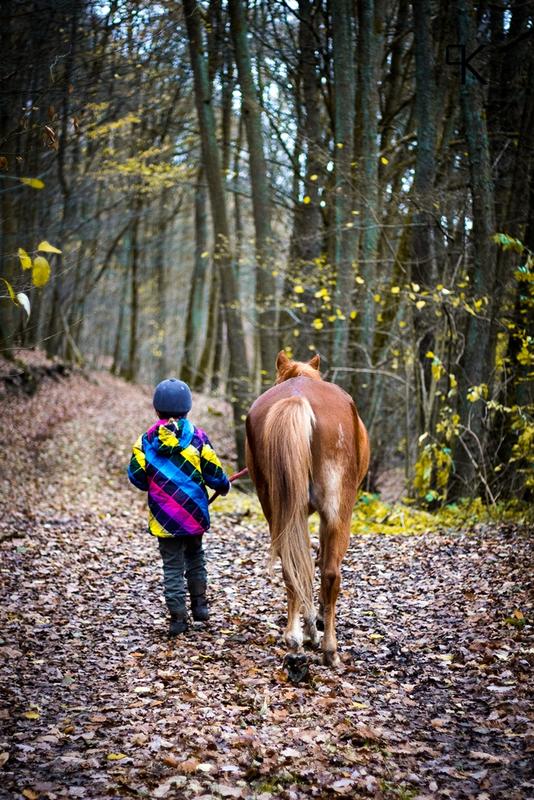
pixel 311 634
pixel 332 484
pixel 293 633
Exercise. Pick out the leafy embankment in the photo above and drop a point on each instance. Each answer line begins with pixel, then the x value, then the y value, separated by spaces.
pixel 431 699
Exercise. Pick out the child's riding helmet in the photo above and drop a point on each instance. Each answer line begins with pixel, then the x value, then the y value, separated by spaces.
pixel 172 398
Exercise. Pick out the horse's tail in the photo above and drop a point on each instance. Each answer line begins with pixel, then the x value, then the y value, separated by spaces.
pixel 287 449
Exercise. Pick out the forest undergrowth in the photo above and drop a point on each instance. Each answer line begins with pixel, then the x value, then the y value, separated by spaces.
pixel 435 634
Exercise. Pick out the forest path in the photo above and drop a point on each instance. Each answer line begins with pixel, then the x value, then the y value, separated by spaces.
pixel 431 699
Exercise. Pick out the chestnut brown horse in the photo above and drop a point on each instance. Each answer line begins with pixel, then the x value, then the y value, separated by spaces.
pixel 307 450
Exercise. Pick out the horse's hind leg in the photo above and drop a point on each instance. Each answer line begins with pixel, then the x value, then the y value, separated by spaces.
pixel 312 636
pixel 334 543
pixel 293 633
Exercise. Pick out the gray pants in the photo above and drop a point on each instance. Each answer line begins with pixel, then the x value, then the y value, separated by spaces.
pixel 182 555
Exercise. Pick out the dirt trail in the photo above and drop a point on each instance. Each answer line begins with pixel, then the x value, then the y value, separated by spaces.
pixel 431 699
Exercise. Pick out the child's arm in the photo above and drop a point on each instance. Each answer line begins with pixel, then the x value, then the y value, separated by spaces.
pixel 137 467
pixel 212 471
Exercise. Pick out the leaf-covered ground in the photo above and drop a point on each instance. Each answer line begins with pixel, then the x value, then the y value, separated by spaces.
pixel 432 699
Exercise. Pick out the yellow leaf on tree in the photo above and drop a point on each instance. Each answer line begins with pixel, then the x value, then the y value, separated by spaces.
pixel 415 287
pixel 35 183
pixel 46 247
pixel 395 289
pixel 116 756
pixel 353 314
pixel 205 254
pixel 359 279
pixel 306 200
pixel 475 393
pixel 25 260
pixel 313 177
pixel 10 290
pixel 437 370
pixel 40 272
pixel 299 289
pixel 420 304
pixel 318 324
pixel 384 160
pixel 376 298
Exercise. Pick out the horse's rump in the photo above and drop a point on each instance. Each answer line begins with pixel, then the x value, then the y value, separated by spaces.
pixel 286 463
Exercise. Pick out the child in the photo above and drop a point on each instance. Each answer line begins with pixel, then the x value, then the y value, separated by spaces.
pixel 174 462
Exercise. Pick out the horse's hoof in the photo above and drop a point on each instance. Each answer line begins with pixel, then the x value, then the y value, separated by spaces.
pixel 319 624
pixel 298 670
pixel 331 659
pixel 312 641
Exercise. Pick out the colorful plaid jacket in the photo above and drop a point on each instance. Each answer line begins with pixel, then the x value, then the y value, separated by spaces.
pixel 174 462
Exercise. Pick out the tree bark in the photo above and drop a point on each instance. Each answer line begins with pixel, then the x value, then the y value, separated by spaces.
pixel 197 295
pixel 423 245
pixel 238 369
pixel 261 200
pixel 132 366
pixel 476 365
pixel 342 39
pixel 307 234
pixel 370 41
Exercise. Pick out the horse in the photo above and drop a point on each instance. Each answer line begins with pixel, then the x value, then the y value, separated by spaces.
pixel 307 450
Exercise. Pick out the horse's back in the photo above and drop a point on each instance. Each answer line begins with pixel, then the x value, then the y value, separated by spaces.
pixel 339 437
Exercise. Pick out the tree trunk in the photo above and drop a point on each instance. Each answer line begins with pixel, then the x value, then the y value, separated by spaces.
pixel 238 370
pixel 423 247
pixel 116 366
pixel 261 201
pixel 307 235
pixel 476 364
pixel 160 260
pixel 132 367
pixel 342 39
pixel 197 295
pixel 370 41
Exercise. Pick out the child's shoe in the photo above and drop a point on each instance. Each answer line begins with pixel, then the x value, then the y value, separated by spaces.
pixel 199 604
pixel 199 608
pixel 178 624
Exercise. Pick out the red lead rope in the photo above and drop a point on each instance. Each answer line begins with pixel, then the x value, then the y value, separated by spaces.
pixel 232 478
